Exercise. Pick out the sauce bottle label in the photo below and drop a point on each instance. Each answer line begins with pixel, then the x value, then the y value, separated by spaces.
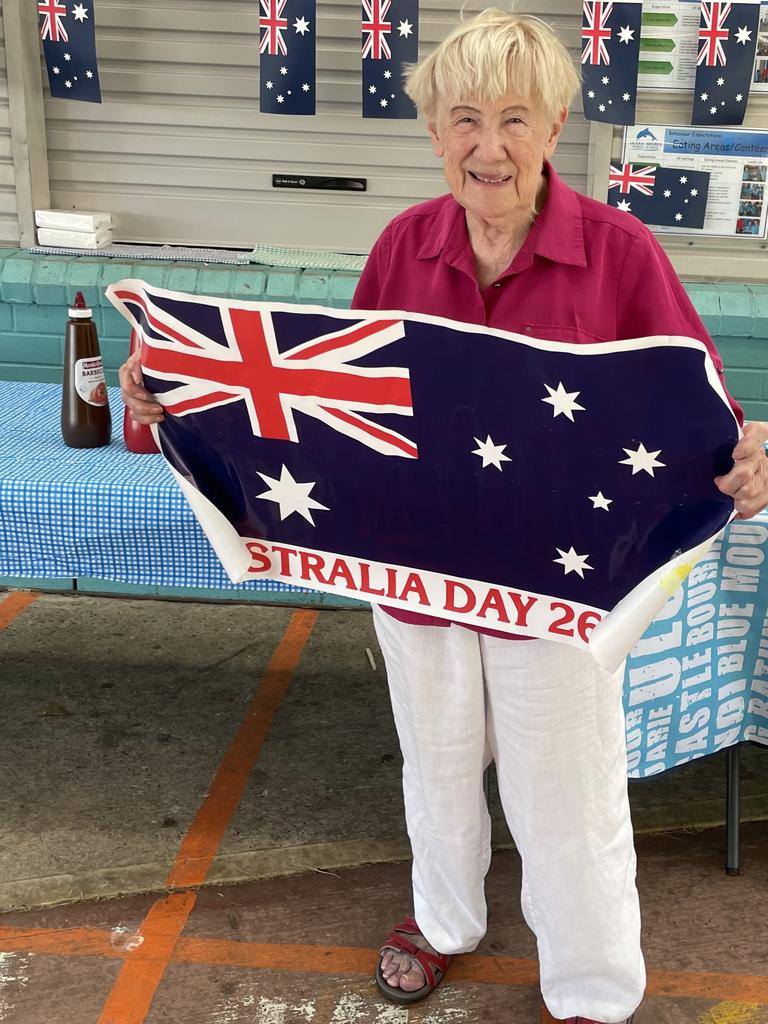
pixel 89 380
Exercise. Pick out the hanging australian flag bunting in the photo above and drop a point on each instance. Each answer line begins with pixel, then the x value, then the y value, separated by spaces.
pixel 69 43
pixel 395 457
pixel 610 34
pixel 664 196
pixel 390 40
pixel 287 77
pixel 727 42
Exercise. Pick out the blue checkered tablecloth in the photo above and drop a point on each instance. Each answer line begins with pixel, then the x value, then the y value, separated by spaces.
pixel 103 513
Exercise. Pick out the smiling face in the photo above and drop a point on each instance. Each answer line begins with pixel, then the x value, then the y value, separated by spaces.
pixel 493 153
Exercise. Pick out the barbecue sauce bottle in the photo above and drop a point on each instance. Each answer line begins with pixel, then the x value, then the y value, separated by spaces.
pixel 138 436
pixel 85 417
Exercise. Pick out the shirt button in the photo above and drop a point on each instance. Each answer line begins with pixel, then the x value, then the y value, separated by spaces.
pixel 497 285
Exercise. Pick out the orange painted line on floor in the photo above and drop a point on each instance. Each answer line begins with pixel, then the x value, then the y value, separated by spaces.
pixel 134 989
pixel 14 604
pixel 354 960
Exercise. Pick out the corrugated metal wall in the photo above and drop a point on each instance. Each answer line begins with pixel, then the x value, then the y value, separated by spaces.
pixel 9 225
pixel 179 152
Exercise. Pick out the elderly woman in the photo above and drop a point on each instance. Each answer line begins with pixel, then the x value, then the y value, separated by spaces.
pixel 513 247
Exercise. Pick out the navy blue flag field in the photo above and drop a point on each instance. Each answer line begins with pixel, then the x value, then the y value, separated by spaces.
pixel 390 31
pixel 478 476
pixel 287 69
pixel 727 42
pixel 69 44
pixel 664 196
pixel 610 35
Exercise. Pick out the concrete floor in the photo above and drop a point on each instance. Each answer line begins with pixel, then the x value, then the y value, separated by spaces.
pixel 154 754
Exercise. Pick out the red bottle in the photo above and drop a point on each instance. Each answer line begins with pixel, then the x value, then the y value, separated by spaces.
pixel 138 436
pixel 85 416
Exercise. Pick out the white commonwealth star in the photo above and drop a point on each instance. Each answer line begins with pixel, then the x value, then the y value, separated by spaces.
pixel 599 500
pixel 269 84
pixel 387 74
pixel 572 562
pixel 626 34
pixel 80 12
pixel 667 193
pixel 56 71
pixel 280 98
pixel 491 454
pixel 67 56
pixel 563 401
pixel 626 97
pixel 743 35
pixel 694 191
pixel 382 103
pixel 605 79
pixel 739 97
pixel 679 216
pixel 68 84
pixel 624 205
pixel 283 71
pixel 371 89
pixel 713 110
pixel 301 25
pixel 721 81
pixel 705 95
pixel 404 29
pixel 642 460
pixel 683 179
pixel 89 74
pixel 305 87
pixel 290 495
pixel 601 108
pixel 591 94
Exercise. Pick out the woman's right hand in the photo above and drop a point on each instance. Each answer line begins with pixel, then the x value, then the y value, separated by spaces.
pixel 142 406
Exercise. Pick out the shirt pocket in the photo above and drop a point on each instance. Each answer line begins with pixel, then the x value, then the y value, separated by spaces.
pixel 572 333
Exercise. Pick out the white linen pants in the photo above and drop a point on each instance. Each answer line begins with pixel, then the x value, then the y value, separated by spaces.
pixel 553 722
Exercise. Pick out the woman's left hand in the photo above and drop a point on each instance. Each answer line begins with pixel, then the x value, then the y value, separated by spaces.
pixel 747 482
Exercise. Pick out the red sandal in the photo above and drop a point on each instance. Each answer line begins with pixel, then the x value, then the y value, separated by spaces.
pixel 434 965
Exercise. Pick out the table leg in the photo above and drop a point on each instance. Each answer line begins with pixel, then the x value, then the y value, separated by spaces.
pixel 732 812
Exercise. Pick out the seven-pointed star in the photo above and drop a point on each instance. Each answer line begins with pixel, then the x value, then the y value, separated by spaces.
pixel 404 29
pixel 491 454
pixel 89 74
pixel 642 459
pixel 667 193
pixel 563 401
pixel 626 34
pixel 572 562
pixel 721 81
pixel 599 500
pixel 743 35
pixel 605 79
pixel 301 25
pixel 290 495
pixel 623 205
pixel 80 12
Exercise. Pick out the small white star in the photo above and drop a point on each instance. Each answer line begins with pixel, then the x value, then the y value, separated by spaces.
pixel 678 216
pixel 600 501
pixel 572 562
pixel 269 84
pixel 283 71
pixel 301 25
pixel 705 95
pixel 371 89
pixel 68 84
pixel 290 495
pixel 601 108
pixel 623 205
pixel 387 74
pixel 685 200
pixel 683 179
pixel 404 29
pixel 563 401
pixel 605 79
pixel 305 87
pixel 56 71
pixel 721 81
pixel 290 93
pixel 382 103
pixel 67 56
pixel 626 34
pixel 626 97
pixel 280 98
pixel 667 193
pixel 491 454
pixel 722 103
pixel 739 97
pixel 89 74
pixel 743 35
pixel 694 191
pixel 80 12
pixel 591 94
pixel 641 460
pixel 713 110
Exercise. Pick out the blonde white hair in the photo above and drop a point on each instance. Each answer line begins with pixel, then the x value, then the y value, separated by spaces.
pixel 491 55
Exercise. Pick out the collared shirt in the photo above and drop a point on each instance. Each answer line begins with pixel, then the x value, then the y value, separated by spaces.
pixel 586 272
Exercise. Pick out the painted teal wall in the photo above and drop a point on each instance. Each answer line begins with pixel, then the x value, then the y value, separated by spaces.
pixel 37 290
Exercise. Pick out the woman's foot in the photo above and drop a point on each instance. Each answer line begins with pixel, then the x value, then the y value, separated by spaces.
pixel 409 968
pixel 403 970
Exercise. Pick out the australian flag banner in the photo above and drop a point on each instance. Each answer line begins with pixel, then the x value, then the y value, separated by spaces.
pixel 287 70
pixel 390 40
pixel 665 196
pixel 444 468
pixel 727 42
pixel 610 36
pixel 69 43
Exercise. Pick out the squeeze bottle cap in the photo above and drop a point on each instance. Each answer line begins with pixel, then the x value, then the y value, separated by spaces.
pixel 79 311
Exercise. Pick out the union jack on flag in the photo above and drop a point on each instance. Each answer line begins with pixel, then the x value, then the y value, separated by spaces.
pixel 53 27
pixel 595 31
pixel 728 35
pixel 627 177
pixel 274 24
pixel 376 28
pixel 240 361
